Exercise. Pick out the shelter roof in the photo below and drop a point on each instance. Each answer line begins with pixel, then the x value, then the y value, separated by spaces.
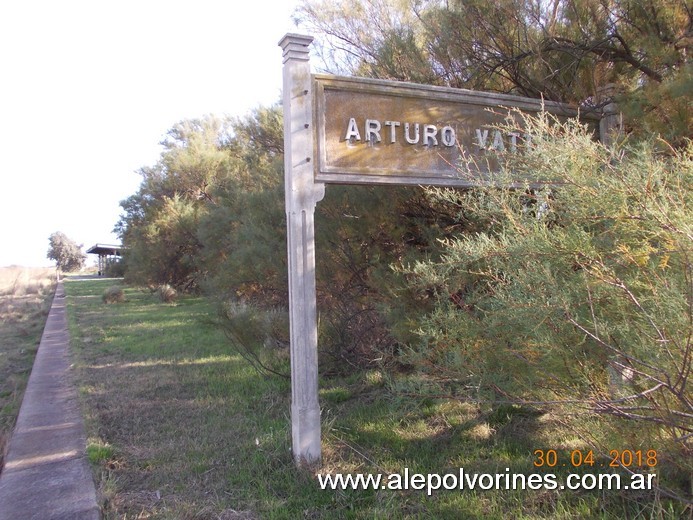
pixel 105 249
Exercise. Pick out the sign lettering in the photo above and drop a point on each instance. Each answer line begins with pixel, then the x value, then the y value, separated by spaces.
pixel 383 132
pixel 411 133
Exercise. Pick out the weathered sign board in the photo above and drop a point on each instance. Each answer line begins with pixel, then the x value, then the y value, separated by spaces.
pixel 386 132
pixel 362 131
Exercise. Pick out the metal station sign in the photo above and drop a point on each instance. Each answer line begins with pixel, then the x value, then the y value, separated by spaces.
pixel 386 132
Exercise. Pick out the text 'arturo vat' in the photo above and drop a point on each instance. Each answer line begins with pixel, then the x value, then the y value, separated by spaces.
pixel 383 132
pixel 375 131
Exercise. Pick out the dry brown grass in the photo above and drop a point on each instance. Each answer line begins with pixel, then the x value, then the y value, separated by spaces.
pixel 166 293
pixel 25 297
pixel 23 281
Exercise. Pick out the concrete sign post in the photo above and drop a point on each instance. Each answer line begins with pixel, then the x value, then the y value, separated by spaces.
pixel 302 194
pixel 364 131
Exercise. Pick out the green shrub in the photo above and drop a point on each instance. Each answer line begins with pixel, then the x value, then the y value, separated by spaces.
pixel 115 268
pixel 578 294
pixel 113 294
pixel 99 453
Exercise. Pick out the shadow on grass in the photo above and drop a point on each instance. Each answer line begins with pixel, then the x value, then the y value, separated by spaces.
pixel 194 432
pixel 188 420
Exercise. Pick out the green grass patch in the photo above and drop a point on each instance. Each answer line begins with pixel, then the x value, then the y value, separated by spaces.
pixel 185 428
pixel 98 453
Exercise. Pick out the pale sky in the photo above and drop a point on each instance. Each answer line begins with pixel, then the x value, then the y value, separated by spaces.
pixel 88 89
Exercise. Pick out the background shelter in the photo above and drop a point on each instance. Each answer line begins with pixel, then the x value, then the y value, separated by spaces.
pixel 106 253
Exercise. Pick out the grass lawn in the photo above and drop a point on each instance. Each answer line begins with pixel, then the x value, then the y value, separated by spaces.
pixel 180 427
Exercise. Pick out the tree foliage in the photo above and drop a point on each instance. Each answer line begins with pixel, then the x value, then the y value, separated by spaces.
pixel 579 293
pixel 67 253
pixel 160 222
pixel 210 216
pixel 584 52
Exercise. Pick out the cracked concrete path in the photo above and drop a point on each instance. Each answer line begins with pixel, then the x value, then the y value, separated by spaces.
pixel 46 474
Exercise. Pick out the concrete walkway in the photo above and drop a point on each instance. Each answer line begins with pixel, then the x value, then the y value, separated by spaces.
pixel 46 474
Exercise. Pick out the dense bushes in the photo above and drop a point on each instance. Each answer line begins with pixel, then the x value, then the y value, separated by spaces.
pixel 115 268
pixel 209 216
pixel 577 294
pixel 221 229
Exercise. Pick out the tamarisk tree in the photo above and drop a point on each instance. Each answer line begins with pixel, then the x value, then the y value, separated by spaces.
pixel 578 294
pixel 67 253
